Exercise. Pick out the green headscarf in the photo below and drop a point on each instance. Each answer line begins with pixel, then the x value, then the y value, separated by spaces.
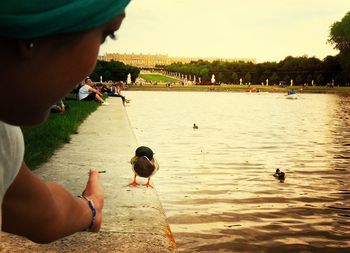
pixel 28 19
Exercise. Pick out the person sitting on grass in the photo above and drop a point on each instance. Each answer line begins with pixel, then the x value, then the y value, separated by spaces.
pixel 103 88
pixel 60 107
pixel 46 48
pixel 115 92
pixel 87 93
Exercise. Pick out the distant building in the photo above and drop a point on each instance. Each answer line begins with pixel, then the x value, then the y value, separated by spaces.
pixel 151 60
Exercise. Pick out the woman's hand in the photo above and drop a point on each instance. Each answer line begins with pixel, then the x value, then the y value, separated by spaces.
pixel 94 191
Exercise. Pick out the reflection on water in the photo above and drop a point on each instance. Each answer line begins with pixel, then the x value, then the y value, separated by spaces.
pixel 216 182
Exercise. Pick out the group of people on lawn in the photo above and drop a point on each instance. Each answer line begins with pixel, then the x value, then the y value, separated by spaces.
pixel 87 91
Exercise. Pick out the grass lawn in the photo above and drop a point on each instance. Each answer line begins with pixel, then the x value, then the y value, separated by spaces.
pixel 41 141
pixel 162 80
pixel 158 78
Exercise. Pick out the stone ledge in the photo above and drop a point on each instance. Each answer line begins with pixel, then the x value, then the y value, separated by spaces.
pixel 133 218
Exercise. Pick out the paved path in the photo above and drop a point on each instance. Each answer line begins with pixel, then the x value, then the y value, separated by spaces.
pixel 133 218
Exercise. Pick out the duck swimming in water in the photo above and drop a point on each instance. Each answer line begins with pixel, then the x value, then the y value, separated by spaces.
pixel 144 165
pixel 279 174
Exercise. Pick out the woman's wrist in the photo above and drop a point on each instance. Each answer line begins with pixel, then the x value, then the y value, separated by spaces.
pixel 93 209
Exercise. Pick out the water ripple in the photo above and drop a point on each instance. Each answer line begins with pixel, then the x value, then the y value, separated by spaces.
pixel 216 183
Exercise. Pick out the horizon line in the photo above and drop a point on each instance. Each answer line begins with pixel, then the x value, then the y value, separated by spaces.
pixel 191 57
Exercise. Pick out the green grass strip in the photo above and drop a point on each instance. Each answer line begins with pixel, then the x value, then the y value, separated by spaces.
pixel 157 78
pixel 241 88
pixel 41 141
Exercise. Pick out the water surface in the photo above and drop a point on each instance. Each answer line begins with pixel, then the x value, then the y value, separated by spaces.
pixel 216 182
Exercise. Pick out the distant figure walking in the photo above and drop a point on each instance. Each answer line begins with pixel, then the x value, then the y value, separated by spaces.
pixel 195 126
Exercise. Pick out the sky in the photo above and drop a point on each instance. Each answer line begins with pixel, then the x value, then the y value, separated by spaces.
pixel 267 30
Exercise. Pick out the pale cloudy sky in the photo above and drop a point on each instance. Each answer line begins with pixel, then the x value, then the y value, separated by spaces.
pixel 267 30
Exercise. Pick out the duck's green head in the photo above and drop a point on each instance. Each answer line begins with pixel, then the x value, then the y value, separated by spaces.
pixel 144 151
pixel 140 152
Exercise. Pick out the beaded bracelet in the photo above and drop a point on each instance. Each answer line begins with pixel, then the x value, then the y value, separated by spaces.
pixel 93 210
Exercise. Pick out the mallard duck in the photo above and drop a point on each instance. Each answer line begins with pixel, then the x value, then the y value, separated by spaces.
pixel 144 165
pixel 279 174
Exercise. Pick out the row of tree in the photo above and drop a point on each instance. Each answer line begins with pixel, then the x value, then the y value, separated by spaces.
pixel 114 71
pixel 299 69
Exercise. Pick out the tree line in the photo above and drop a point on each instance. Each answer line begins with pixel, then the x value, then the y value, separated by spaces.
pixel 114 71
pixel 299 69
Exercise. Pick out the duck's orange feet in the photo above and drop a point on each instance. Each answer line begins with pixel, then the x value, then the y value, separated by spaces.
pixel 148 184
pixel 134 183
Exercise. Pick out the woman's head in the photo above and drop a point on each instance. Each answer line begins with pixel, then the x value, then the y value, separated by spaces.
pixel 41 66
pixel 29 19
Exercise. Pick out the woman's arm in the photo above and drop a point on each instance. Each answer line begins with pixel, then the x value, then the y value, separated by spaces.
pixel 45 211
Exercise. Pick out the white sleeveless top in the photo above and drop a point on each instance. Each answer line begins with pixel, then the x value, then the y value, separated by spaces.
pixel 11 157
pixel 84 91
